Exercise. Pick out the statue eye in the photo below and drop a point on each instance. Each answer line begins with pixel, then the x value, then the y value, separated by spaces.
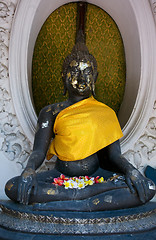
pixel 75 72
pixel 88 71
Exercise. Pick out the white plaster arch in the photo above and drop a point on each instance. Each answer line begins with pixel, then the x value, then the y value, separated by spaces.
pixel 135 22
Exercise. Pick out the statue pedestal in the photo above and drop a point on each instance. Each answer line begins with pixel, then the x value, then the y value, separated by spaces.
pixel 23 222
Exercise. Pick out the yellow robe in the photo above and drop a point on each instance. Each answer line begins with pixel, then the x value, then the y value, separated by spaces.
pixel 83 129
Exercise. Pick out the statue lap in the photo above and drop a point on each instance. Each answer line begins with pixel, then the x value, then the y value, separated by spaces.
pixel 110 195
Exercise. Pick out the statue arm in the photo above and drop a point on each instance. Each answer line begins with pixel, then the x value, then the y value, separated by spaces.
pixel 42 139
pixel 43 136
pixel 116 158
pixel 134 179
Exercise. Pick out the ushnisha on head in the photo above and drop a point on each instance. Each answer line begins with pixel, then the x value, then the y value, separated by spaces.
pixel 80 68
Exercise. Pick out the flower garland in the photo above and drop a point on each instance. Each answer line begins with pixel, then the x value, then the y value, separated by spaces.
pixel 77 182
pixel 81 182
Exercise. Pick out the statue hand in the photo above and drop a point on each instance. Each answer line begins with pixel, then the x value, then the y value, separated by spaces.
pixel 138 183
pixel 27 181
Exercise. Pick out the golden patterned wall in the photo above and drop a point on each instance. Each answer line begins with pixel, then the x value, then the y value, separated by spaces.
pixel 55 42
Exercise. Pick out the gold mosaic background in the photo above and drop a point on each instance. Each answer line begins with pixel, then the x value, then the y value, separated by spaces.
pixel 55 42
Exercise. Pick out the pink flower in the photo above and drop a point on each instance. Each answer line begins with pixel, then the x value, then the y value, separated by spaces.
pixel 58 181
pixel 96 179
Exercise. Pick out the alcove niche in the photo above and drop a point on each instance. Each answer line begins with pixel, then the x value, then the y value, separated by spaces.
pixel 135 22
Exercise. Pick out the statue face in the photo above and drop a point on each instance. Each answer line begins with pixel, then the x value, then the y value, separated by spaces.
pixel 80 77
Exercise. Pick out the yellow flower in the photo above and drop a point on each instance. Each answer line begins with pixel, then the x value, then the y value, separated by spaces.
pixel 100 180
pixel 71 185
pixel 90 182
pixel 66 184
pixel 86 183
pixel 81 185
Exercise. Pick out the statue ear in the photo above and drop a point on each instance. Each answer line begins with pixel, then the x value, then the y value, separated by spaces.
pixel 64 83
pixel 64 91
pixel 95 75
pixel 93 90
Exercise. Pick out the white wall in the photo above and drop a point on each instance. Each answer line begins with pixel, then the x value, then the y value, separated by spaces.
pixel 9 170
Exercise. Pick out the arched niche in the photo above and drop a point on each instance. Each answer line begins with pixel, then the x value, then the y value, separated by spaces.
pixel 135 22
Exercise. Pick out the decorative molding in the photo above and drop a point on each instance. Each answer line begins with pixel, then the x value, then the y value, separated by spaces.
pixel 13 143
pixel 144 150
pixel 153 7
pixel 77 223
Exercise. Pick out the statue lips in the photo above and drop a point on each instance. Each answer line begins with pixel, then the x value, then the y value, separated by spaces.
pixel 82 87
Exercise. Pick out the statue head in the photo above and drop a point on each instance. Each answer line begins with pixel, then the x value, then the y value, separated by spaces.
pixel 80 69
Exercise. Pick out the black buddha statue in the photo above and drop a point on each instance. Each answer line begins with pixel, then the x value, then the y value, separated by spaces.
pixel 84 135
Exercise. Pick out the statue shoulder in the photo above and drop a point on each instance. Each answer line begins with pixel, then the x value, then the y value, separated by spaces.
pixel 53 110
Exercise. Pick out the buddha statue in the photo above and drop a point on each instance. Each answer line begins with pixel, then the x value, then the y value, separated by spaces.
pixel 84 135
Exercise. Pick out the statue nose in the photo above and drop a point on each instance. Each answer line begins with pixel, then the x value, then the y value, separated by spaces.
pixel 81 78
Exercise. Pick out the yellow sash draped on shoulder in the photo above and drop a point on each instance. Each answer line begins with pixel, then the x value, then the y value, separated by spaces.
pixel 82 129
